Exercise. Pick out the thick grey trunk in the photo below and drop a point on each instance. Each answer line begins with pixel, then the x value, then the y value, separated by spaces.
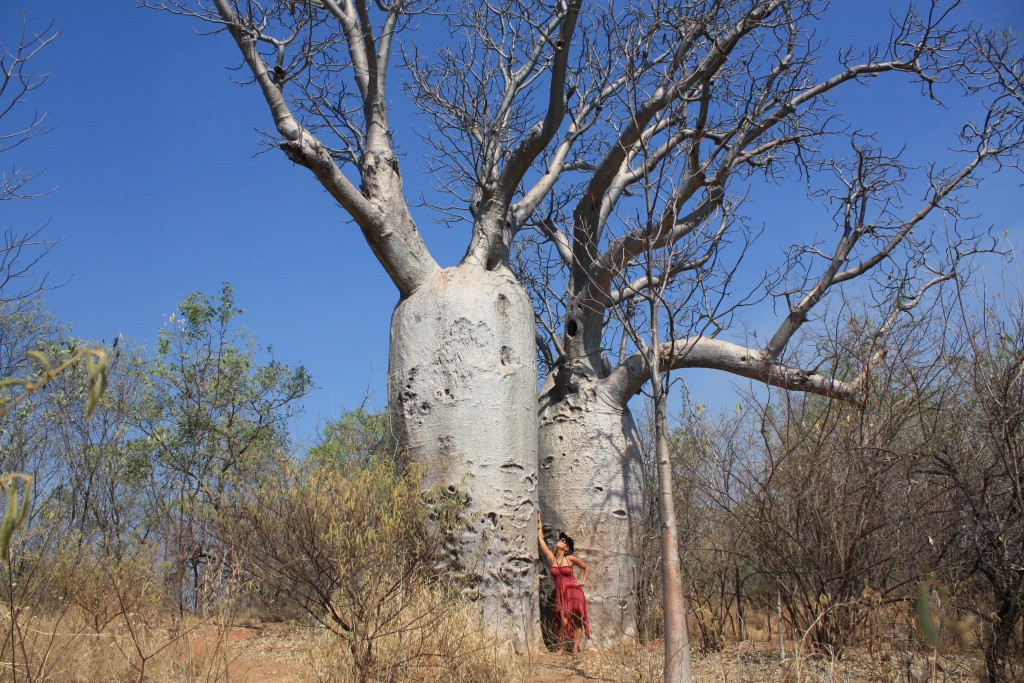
pixel 462 387
pixel 591 482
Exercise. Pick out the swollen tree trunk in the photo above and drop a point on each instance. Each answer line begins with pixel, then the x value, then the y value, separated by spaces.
pixel 591 479
pixel 462 387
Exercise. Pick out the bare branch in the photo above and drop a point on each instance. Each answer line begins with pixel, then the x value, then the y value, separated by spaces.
pixel 703 352
pixel 313 33
pixel 17 80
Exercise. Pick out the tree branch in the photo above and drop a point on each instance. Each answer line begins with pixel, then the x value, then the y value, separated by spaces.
pixel 703 352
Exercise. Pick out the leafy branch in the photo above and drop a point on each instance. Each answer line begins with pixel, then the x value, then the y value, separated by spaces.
pixel 96 365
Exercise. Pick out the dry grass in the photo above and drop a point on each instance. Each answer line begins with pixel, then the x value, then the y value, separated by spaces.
pixel 443 643
pixel 757 666
pixel 66 648
pixel 452 649
pixel 127 635
pixel 744 663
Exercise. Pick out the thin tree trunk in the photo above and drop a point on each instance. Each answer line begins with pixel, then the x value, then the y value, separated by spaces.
pixel 782 638
pixel 996 653
pixel 739 602
pixel 678 668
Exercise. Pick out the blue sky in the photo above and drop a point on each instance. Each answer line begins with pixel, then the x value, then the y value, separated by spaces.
pixel 158 192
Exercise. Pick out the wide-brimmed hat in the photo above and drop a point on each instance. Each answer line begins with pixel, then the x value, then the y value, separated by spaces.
pixel 562 536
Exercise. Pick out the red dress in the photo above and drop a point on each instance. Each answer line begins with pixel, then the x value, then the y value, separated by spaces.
pixel 569 598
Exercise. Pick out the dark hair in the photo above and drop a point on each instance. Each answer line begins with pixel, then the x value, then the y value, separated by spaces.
pixel 562 536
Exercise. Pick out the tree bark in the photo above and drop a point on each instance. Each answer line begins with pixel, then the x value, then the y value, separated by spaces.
pixel 678 667
pixel 997 651
pixel 592 487
pixel 462 388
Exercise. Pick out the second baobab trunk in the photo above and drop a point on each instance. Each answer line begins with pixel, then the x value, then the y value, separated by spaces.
pixel 592 484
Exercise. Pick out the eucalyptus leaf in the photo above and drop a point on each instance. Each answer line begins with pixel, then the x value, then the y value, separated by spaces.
pixel 99 374
pixel 15 514
pixel 40 358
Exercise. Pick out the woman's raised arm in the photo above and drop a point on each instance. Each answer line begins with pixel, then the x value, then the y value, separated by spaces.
pixel 544 549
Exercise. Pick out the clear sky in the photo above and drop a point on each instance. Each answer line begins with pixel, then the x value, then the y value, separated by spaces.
pixel 158 192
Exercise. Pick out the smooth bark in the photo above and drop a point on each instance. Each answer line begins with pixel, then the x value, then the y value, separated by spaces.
pixel 462 383
pixel 678 667
pixel 592 473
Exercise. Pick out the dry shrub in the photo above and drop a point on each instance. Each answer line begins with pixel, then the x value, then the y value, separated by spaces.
pixel 69 606
pixel 60 648
pixel 710 631
pixel 84 615
pixel 444 640
pixel 352 544
pixel 103 587
pixel 199 655
pixel 64 648
pixel 628 662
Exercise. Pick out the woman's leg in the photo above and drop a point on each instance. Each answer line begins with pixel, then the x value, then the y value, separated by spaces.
pixel 563 633
pixel 577 633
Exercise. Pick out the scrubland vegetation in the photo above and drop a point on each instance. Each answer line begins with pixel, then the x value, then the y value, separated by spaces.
pixel 174 530
pixel 817 535
pixel 180 509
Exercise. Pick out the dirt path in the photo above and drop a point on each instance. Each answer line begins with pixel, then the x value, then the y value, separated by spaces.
pixel 248 654
pixel 552 668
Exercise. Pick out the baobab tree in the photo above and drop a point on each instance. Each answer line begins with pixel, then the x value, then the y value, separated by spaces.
pixel 735 97
pixel 542 118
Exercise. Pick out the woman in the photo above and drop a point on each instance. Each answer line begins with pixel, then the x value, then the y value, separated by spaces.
pixel 570 602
